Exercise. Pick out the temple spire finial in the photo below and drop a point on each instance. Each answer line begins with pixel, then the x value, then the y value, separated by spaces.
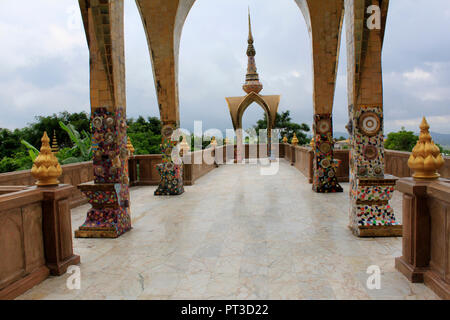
pixel 252 83
pixel 250 35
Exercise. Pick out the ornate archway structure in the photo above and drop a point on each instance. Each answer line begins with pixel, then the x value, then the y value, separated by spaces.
pixel 163 21
pixel 252 86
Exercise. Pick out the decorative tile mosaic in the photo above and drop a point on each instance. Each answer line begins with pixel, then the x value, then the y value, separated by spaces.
pixel 370 192
pixel 171 179
pixel 110 195
pixel 374 215
pixel 171 174
pixel 325 180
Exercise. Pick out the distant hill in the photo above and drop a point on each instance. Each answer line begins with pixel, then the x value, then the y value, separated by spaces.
pixel 442 138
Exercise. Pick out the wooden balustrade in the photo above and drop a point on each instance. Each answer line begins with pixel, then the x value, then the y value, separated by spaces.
pixel 426 229
pixel 73 174
pixel 35 237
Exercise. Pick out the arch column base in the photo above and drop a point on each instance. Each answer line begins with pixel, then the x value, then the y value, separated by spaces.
pixel 109 217
pixel 171 183
pixel 324 164
pixel 171 174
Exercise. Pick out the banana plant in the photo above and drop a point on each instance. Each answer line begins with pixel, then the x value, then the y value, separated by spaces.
pixel 82 144
pixel 32 151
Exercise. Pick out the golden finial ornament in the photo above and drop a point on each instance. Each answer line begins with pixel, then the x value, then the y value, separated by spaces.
pixel 285 139
pixel 426 158
pixel 46 168
pixel 184 146
pixel 130 147
pixel 213 142
pixel 294 140
pixel 312 143
pixel 55 147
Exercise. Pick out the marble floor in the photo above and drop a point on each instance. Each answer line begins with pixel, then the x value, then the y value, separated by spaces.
pixel 236 234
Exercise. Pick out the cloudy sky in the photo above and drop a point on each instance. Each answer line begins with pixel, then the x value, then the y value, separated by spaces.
pixel 44 62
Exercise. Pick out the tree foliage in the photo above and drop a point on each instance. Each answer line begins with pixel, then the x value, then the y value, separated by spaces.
pixel 284 122
pixel 402 140
pixel 145 135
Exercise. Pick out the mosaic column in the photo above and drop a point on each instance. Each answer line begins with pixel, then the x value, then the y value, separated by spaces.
pixel 324 20
pixel 324 165
pixel 171 173
pixel 370 189
pixel 109 216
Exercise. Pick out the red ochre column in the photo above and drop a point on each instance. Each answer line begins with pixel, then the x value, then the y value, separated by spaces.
pixel 109 216
pixel 325 180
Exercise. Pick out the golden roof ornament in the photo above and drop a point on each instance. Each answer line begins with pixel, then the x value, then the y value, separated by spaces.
pixel 46 168
pixel 252 83
pixel 55 147
pixel 312 143
pixel 213 141
pixel 130 147
pixel 426 158
pixel 294 140
pixel 184 146
pixel 285 139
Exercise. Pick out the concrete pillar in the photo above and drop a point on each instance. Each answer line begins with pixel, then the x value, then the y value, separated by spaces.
pixel 109 216
pixel 370 189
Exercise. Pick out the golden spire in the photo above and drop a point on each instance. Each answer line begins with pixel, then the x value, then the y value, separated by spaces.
pixel 294 140
pixel 130 147
pixel 184 147
pixel 285 139
pixel 46 168
pixel 252 83
pixel 250 35
pixel 426 158
pixel 55 148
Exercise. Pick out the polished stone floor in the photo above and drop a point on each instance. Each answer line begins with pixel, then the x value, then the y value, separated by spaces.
pixel 236 234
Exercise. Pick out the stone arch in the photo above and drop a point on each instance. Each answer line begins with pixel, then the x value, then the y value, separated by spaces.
pixel 249 99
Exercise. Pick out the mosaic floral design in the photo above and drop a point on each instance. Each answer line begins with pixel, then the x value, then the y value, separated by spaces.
pixel 109 196
pixel 325 180
pixel 171 174
pixel 369 190
pixel 106 218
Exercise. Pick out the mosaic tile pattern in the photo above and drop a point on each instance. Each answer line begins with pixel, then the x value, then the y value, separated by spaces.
pixel 325 180
pixel 370 191
pixel 171 174
pixel 109 195
pixel 171 179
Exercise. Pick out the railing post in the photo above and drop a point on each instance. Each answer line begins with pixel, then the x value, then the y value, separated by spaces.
pixel 57 229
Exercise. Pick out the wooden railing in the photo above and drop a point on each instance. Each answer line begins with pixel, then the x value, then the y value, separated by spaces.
pixel 426 227
pixel 35 237
pixel 73 174
pixel 397 164
pixel 302 158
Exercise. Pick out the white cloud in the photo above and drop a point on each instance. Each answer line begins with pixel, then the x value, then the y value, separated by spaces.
pixel 418 75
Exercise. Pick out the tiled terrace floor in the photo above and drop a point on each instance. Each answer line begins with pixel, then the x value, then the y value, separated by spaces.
pixel 236 234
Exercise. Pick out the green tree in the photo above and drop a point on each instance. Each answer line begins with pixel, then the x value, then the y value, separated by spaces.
pixel 284 122
pixel 33 132
pixel 402 140
pixel 145 134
